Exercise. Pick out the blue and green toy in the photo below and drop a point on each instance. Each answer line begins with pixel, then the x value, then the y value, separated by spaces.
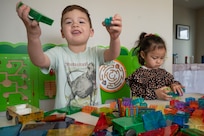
pixel 107 21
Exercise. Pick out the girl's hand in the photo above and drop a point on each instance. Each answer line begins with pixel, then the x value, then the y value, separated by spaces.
pixel 162 93
pixel 115 28
pixel 177 89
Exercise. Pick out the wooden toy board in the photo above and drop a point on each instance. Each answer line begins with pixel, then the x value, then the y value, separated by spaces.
pixel 20 81
pixel 15 80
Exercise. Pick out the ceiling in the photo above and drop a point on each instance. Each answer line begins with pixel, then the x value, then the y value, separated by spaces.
pixel 194 4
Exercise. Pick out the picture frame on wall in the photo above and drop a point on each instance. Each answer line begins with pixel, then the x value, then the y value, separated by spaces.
pixel 182 32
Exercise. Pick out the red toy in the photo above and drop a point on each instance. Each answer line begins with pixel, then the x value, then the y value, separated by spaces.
pixel 166 131
pixel 102 123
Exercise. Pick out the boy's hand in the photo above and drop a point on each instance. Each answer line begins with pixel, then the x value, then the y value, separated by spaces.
pixel 32 26
pixel 116 26
pixel 162 93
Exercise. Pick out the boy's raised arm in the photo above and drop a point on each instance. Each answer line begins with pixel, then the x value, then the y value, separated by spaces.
pixel 33 30
pixel 114 30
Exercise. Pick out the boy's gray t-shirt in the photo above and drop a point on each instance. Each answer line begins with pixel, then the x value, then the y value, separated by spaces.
pixel 76 75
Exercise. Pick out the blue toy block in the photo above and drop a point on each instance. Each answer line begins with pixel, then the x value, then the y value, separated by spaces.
pixel 137 101
pixel 169 117
pixel 179 120
pixel 144 104
pixel 10 130
pixel 201 102
pixel 34 133
pixel 185 116
pixel 189 99
pixel 107 21
pixel 153 120
pixel 173 94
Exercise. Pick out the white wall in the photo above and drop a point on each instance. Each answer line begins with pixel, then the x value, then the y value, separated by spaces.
pixel 200 34
pixel 184 48
pixel 153 16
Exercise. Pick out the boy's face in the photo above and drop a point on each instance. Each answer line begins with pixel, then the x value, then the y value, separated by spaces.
pixel 76 28
pixel 154 59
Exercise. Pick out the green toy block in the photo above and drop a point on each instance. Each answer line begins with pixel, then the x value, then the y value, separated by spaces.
pixel 192 132
pixel 33 14
pixel 124 124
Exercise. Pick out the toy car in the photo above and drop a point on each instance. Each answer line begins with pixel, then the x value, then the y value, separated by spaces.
pixel 126 126
pixel 24 113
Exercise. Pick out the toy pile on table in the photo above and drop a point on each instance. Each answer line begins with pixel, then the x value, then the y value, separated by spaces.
pixel 176 119
pixel 126 116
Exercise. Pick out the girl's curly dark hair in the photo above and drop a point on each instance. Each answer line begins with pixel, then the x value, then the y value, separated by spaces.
pixel 146 43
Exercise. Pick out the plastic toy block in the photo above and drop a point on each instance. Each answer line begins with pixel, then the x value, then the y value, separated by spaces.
pixel 119 104
pixel 170 111
pixel 153 106
pixel 160 108
pixel 102 123
pixel 33 14
pixel 34 114
pixel 186 116
pixel 113 105
pixel 48 113
pixel 180 105
pixel 129 112
pixel 144 104
pixel 142 110
pixel 169 130
pixel 72 130
pixel 105 110
pixel 137 100
pixel 180 118
pixel 10 130
pixel 153 120
pixel 172 103
pixel 198 113
pixel 174 95
pixel 33 133
pixel 48 125
pixel 107 21
pixel 125 124
pixel 169 117
pixel 127 102
pixel 68 110
pixel 105 133
pixel 88 109
pixel 135 110
pixel 189 99
pixel 196 123
pixel 55 117
pixel 191 132
pixel 194 104
pixel 201 102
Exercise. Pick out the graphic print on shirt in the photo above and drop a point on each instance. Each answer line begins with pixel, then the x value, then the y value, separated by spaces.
pixel 83 86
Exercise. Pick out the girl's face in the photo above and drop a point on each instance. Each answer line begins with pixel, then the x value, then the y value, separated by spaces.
pixel 76 28
pixel 154 59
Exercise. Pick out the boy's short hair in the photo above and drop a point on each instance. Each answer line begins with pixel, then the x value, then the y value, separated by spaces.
pixel 72 7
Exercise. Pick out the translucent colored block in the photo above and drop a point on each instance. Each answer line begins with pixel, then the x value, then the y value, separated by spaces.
pixel 153 120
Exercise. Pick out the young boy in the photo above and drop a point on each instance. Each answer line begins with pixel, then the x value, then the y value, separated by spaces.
pixel 76 65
